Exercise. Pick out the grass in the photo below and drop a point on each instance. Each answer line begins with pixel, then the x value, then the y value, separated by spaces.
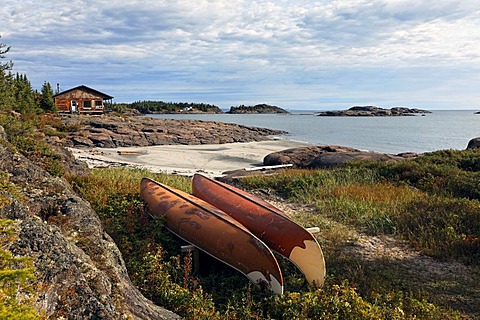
pixel 435 217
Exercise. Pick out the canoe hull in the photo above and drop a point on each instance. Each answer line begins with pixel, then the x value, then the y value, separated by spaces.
pixel 270 224
pixel 213 232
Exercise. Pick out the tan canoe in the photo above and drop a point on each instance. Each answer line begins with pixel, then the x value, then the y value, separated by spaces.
pixel 214 232
pixel 268 223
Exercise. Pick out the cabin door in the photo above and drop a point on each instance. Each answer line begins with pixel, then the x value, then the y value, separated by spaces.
pixel 73 106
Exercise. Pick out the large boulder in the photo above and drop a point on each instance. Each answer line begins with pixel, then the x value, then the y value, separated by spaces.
pixel 79 270
pixel 327 156
pixel 474 143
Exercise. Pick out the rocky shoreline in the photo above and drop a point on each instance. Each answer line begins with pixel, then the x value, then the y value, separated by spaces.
pixel 325 157
pixel 134 131
pixel 108 131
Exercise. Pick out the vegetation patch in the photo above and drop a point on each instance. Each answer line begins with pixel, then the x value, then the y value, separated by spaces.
pixel 24 135
pixel 430 203
pixel 17 290
pixel 353 289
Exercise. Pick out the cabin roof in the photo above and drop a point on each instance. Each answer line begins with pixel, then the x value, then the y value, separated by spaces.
pixel 86 89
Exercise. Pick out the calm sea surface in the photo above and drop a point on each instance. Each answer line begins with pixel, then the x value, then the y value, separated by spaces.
pixel 435 131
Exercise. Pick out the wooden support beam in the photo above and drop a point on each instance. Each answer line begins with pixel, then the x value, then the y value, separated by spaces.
pixel 195 256
pixel 313 229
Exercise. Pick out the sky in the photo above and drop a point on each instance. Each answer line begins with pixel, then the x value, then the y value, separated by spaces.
pixel 298 55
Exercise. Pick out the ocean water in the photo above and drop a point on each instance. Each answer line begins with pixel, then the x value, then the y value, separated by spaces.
pixel 435 131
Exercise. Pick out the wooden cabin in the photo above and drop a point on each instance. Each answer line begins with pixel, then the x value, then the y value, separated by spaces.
pixel 82 99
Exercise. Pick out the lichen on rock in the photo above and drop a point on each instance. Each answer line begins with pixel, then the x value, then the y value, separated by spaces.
pixel 79 269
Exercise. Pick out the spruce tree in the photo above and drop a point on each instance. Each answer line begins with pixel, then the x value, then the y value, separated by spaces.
pixel 24 94
pixel 6 84
pixel 46 102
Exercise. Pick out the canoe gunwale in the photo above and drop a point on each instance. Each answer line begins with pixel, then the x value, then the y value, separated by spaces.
pixel 170 189
pixel 240 194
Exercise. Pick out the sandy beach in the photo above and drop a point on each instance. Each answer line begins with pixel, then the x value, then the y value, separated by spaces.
pixel 209 159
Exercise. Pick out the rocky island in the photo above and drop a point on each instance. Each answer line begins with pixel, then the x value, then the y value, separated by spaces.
pixel 372 111
pixel 259 108
pixel 162 107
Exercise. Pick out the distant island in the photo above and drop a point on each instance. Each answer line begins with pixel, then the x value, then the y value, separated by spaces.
pixel 372 111
pixel 161 107
pixel 259 108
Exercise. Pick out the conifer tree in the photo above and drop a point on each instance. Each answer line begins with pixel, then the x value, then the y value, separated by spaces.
pixel 46 102
pixel 6 85
pixel 24 94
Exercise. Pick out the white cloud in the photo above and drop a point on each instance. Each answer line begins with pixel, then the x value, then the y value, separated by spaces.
pixel 292 52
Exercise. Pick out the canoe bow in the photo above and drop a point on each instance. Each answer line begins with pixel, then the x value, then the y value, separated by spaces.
pixel 268 223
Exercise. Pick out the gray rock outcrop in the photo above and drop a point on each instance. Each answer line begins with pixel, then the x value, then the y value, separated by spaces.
pixel 79 269
pixel 327 156
pixel 474 143
pixel 112 132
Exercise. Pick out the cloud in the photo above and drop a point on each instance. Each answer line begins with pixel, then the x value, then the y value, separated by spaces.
pixel 299 53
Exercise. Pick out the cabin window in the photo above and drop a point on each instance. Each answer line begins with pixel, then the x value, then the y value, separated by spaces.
pixel 98 104
pixel 87 104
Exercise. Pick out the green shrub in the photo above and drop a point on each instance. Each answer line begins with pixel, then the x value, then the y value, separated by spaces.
pixel 447 172
pixel 342 301
pixel 444 227
pixel 8 189
pixel 49 131
pixel 468 160
pixel 335 302
pixel 22 136
pixel 154 278
pixel 17 294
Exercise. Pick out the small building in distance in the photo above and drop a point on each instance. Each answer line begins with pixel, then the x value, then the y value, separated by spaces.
pixel 82 99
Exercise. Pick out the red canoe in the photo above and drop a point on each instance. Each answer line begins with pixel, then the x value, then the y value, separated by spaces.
pixel 214 232
pixel 268 223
